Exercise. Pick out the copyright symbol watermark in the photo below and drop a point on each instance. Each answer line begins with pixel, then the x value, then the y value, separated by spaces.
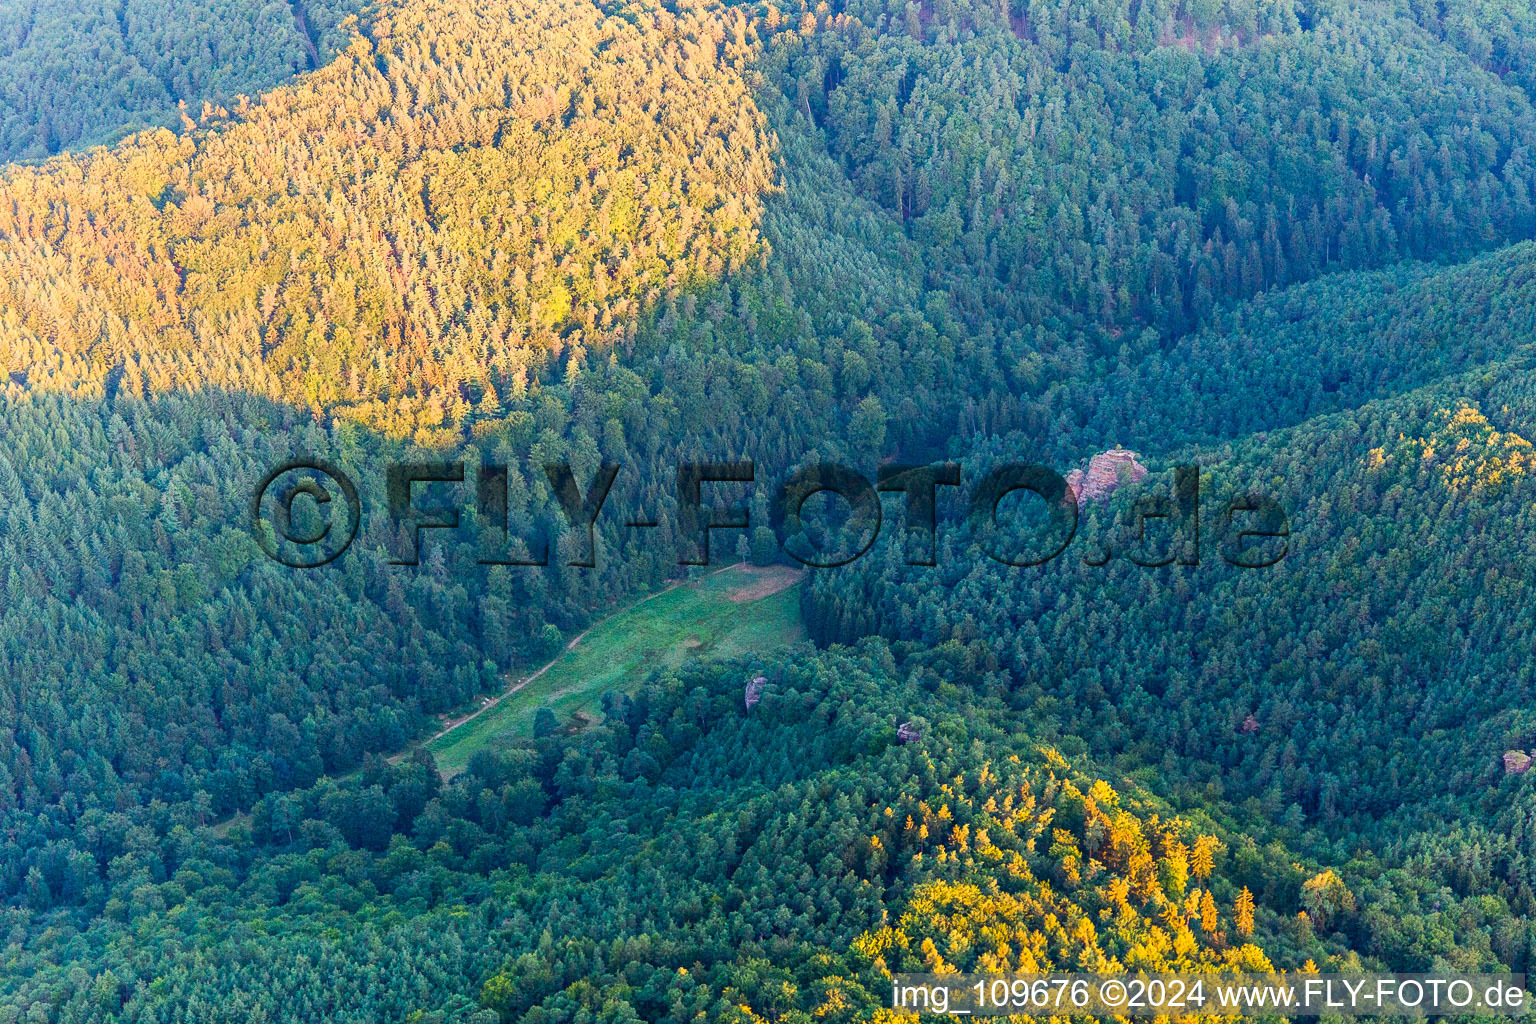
pixel 305 513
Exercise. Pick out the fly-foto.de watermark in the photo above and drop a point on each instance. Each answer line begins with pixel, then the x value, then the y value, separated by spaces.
pixel 305 513
pixel 1294 994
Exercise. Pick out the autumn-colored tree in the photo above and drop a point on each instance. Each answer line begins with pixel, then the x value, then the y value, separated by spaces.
pixel 1326 897
pixel 1242 913
pixel 1209 921
pixel 1202 859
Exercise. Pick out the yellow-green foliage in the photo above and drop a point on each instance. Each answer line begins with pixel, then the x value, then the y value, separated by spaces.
pixel 1464 451
pixel 467 191
pixel 1111 898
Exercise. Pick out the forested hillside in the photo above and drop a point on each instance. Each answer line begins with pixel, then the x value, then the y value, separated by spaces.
pixel 77 73
pixel 1335 696
pixel 1291 242
pixel 671 861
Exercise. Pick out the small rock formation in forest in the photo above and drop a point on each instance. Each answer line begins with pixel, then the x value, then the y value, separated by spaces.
pixel 1250 725
pixel 1516 762
pixel 755 691
pixel 1104 475
pixel 906 732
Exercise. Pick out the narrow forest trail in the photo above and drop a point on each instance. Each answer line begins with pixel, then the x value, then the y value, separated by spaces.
pixel 571 646
pixel 302 24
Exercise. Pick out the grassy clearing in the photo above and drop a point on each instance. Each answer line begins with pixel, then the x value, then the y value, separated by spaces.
pixel 742 609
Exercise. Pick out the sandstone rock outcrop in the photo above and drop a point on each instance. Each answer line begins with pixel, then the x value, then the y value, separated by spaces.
pixel 1516 762
pixel 754 692
pixel 1106 471
pixel 906 732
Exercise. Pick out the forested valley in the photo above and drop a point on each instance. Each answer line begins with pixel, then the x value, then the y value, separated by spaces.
pixel 1291 242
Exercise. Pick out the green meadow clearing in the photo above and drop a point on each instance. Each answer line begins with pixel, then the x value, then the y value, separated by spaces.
pixel 739 610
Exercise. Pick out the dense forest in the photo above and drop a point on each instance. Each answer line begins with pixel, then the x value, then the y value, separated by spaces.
pixel 1293 243
pixel 81 74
